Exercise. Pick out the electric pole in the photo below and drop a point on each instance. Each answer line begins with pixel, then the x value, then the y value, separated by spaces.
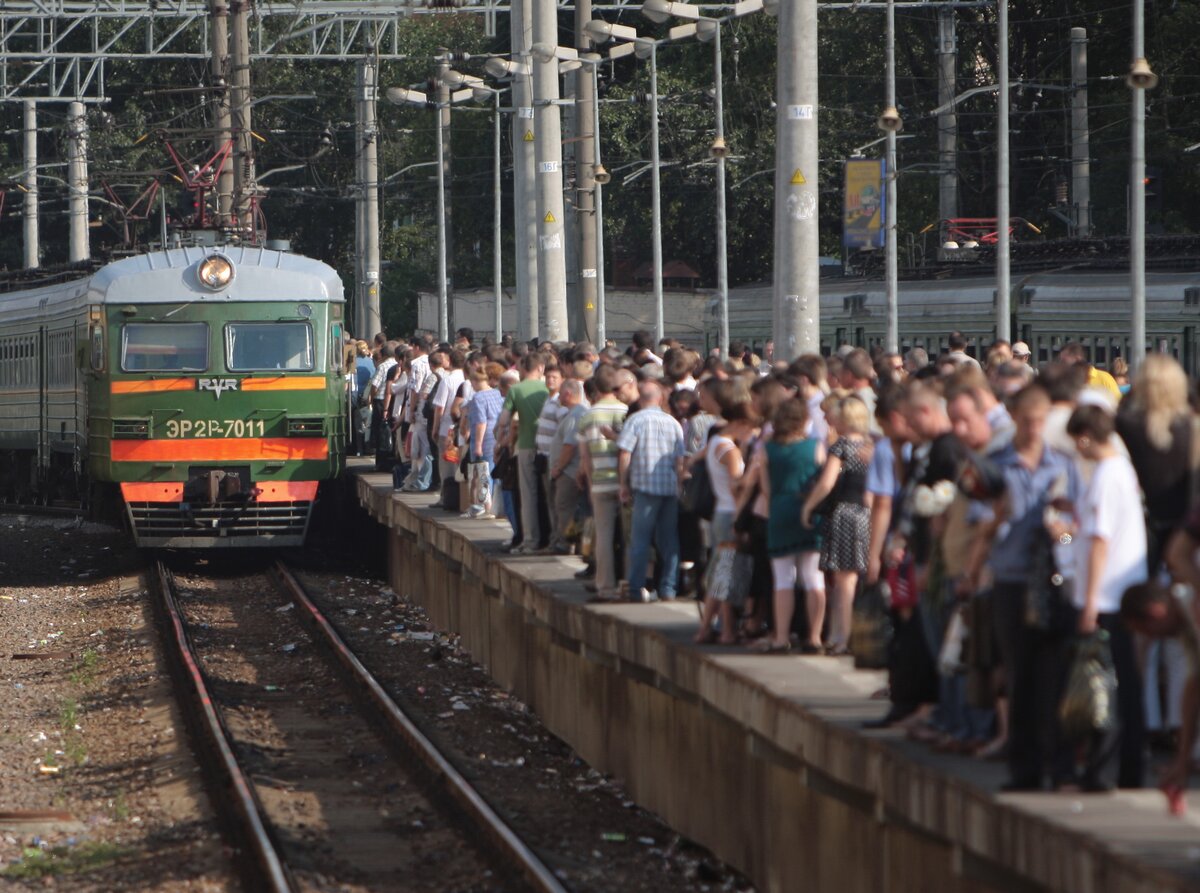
pixel 1003 102
pixel 77 183
pixel 1081 165
pixel 360 202
pixel 30 183
pixel 368 287
pixel 797 311
pixel 243 140
pixel 552 270
pixel 222 120
pixel 445 209
pixel 525 228
pixel 584 318
pixel 948 121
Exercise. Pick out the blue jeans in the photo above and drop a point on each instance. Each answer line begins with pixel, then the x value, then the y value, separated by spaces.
pixel 655 518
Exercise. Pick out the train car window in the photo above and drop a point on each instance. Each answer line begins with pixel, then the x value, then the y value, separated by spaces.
pixel 259 346
pixel 335 343
pixel 164 347
pixel 97 341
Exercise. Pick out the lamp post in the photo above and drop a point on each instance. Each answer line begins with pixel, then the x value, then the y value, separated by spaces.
pixel 891 123
pixel 1003 276
pixel 707 30
pixel 404 96
pixel 484 94
pixel 599 178
pixel 524 174
pixel 1140 79
pixel 644 48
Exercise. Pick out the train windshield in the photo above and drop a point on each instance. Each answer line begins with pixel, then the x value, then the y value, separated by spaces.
pixel 164 347
pixel 256 346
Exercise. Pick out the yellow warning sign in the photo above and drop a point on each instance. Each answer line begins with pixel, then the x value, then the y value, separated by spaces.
pixel 798 178
pixel 589 306
pixel 529 136
pixel 549 218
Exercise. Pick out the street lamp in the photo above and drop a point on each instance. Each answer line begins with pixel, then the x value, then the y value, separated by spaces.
pixel 404 96
pixel 1140 79
pixel 1003 276
pixel 891 123
pixel 707 30
pixel 484 94
pixel 644 48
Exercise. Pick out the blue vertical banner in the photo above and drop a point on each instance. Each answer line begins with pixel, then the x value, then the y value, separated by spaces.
pixel 862 205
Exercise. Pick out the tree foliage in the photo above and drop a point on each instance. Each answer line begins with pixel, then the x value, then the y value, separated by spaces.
pixel 313 203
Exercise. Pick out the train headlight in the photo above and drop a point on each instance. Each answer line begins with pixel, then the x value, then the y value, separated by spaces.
pixel 215 272
pixel 304 310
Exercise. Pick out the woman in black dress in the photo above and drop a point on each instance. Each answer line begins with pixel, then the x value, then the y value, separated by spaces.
pixel 846 535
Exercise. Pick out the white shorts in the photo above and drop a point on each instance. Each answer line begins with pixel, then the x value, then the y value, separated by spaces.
pixel 802 566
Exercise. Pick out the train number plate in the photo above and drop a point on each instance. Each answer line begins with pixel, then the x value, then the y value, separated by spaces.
pixel 215 428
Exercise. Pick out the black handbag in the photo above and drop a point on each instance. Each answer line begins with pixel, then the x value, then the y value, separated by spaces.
pixel 697 495
pixel 1047 607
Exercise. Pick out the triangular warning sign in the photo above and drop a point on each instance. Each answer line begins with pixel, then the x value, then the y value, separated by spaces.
pixel 549 218
pixel 798 178
pixel 589 306
pixel 529 136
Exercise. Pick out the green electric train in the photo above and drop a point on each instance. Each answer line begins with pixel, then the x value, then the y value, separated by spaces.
pixel 200 389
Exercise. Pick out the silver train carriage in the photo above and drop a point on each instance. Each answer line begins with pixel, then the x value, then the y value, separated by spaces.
pixel 1048 310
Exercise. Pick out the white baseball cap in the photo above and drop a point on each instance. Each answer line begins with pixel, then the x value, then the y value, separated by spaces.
pixel 1021 349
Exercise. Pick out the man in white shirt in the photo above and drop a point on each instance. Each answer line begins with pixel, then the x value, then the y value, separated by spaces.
pixel 443 422
pixel 1110 558
pixel 420 477
pixel 376 397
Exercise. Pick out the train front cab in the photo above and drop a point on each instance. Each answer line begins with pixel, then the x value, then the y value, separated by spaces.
pixel 221 421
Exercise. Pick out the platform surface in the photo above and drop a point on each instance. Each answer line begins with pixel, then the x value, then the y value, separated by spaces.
pixel 809 711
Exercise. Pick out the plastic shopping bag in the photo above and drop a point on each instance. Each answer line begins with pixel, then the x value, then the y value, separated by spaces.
pixel 1089 702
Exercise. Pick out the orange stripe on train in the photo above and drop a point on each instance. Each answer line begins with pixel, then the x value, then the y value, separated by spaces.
pixel 280 383
pixel 295 383
pixel 152 385
pixel 220 449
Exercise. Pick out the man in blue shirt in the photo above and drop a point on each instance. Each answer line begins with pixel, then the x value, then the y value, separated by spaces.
pixel 1039 483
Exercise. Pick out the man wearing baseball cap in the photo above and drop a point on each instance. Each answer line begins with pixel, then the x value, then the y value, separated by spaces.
pixel 1020 352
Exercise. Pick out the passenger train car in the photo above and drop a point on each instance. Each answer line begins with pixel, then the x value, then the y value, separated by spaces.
pixel 1048 310
pixel 200 389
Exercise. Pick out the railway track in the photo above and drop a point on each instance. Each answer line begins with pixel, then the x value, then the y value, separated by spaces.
pixel 324 782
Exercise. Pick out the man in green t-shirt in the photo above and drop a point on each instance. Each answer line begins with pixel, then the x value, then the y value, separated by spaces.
pixel 525 400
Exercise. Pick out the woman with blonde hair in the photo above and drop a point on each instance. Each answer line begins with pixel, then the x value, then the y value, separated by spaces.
pixel 846 533
pixel 1155 421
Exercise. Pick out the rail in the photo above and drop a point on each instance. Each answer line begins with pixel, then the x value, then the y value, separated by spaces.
pixel 243 813
pixel 243 810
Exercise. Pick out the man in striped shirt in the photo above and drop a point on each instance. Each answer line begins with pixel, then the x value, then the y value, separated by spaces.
pixel 597 441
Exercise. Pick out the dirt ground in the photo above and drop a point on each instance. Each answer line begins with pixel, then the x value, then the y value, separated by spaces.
pixel 89 741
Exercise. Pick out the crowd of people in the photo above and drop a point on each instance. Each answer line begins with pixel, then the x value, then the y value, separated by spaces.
pixel 979 517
